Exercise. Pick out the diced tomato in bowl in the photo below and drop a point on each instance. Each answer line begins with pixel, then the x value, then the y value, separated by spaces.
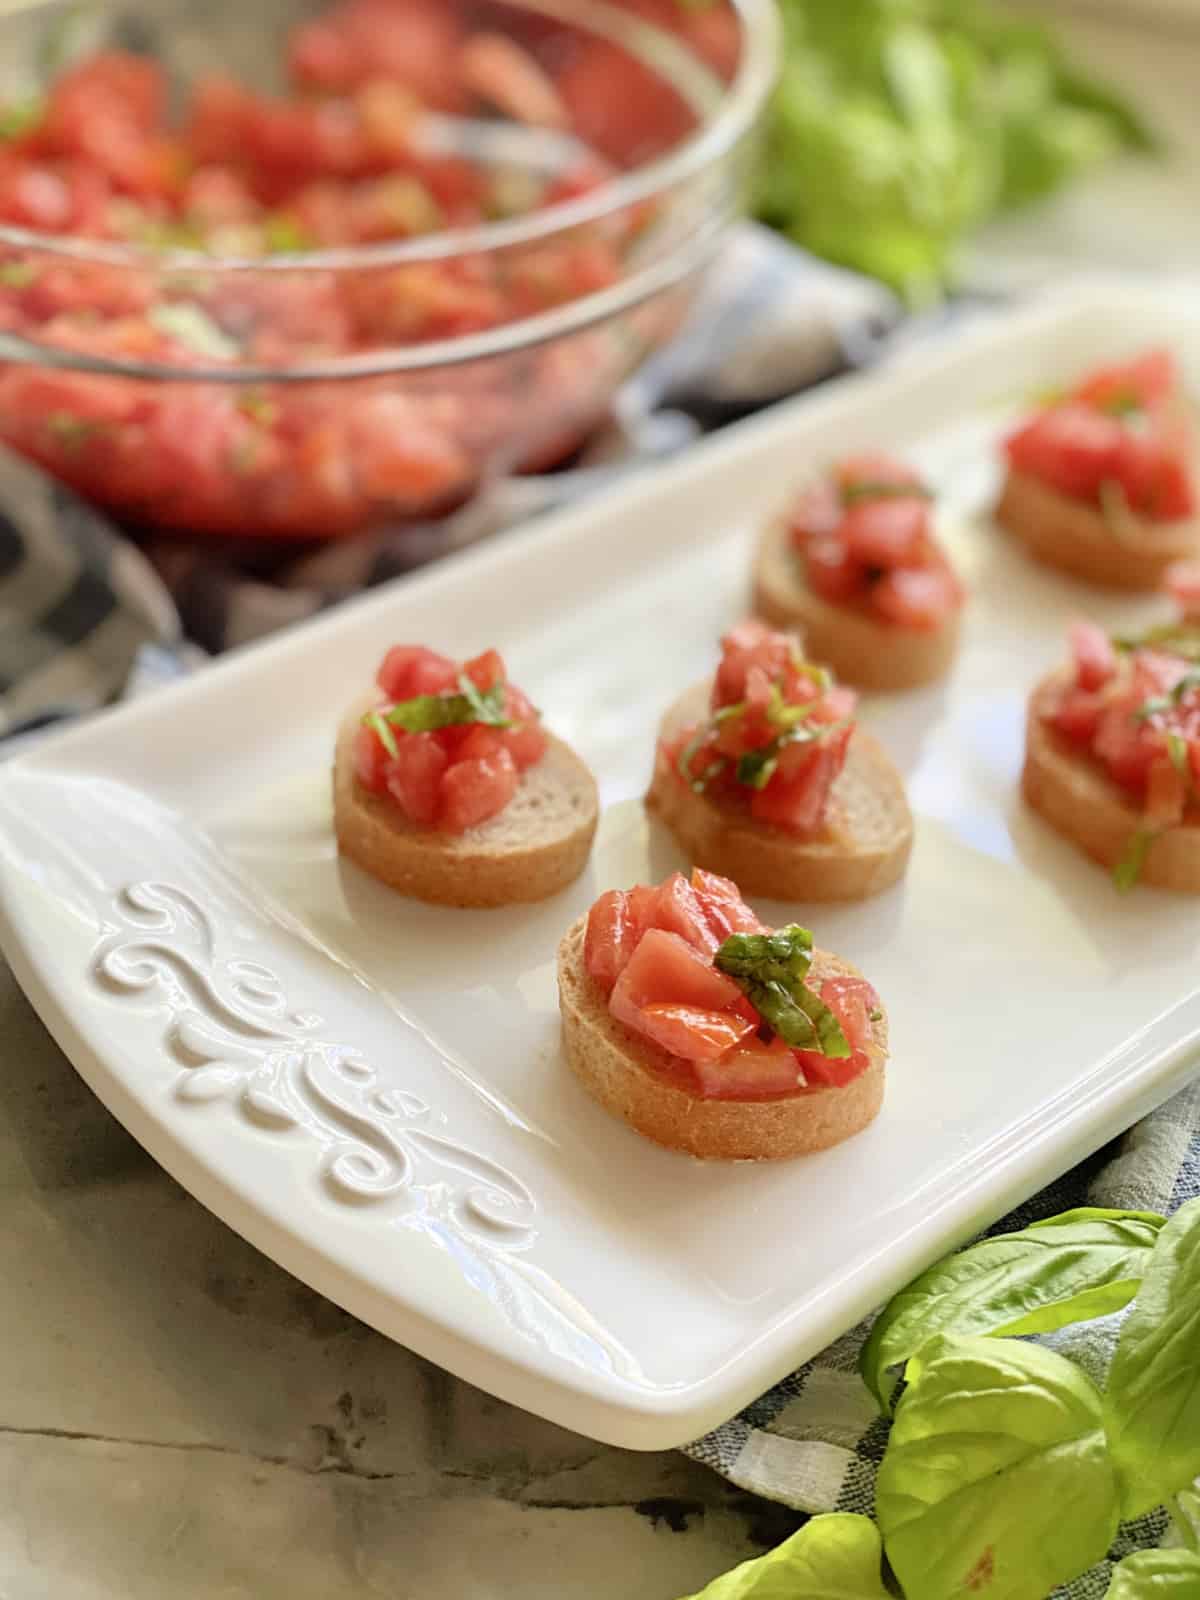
pixel 378 151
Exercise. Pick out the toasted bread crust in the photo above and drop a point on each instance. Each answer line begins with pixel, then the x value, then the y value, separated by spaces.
pixel 537 845
pixel 626 1074
pixel 863 849
pixel 1074 537
pixel 861 650
pixel 1079 800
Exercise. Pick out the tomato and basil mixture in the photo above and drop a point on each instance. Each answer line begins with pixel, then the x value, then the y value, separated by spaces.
pixel 864 536
pixel 776 736
pixel 1119 440
pixel 448 743
pixel 352 154
pixel 688 966
pixel 1133 706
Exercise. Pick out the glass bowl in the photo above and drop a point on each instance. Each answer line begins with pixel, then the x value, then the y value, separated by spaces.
pixel 280 390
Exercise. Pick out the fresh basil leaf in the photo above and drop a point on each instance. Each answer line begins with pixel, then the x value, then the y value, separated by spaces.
pixel 770 969
pixel 685 758
pixel 837 1557
pixel 784 955
pixel 425 713
pixel 757 767
pixel 852 493
pixel 996 1478
pixel 488 705
pixel 1152 1409
pixel 1070 1268
pixel 1156 1575
pixel 1129 869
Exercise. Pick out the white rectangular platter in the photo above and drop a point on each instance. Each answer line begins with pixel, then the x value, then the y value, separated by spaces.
pixel 371 1091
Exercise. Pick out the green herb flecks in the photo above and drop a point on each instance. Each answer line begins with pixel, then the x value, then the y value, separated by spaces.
pixel 387 738
pixel 69 430
pixel 872 489
pixel 757 767
pixel 770 969
pixel 190 325
pixel 426 713
pixel 17 274
pixel 1129 868
pixel 1180 639
pixel 1167 702
pixel 20 117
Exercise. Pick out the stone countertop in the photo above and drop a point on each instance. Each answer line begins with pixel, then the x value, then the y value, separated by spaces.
pixel 179 1416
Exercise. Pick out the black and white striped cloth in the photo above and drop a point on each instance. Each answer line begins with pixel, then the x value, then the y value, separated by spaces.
pixel 86 617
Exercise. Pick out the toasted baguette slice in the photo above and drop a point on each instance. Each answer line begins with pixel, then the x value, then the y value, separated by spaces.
pixel 633 1079
pixel 1082 802
pixel 536 846
pixel 863 849
pixel 1075 538
pixel 861 650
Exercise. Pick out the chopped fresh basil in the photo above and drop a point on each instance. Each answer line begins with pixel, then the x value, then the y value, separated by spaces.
pixel 757 767
pixel 689 753
pixel 20 117
pixel 1180 639
pixel 1177 749
pixel 1165 702
pixel 770 969
pixel 70 430
pixel 386 737
pixel 283 235
pixel 1129 869
pixel 17 274
pixel 189 324
pixel 425 713
pixel 871 489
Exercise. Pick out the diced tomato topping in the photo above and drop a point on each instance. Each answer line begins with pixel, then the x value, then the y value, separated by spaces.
pixel 865 541
pixel 474 790
pixel 753 1070
pixel 917 597
pixel 641 949
pixel 1095 658
pixel 460 774
pixel 797 800
pixel 678 908
pixel 887 532
pixel 414 777
pixel 722 904
pixel 370 761
pixel 1121 428
pixel 410 670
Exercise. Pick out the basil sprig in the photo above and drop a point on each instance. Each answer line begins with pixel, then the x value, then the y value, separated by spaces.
pixel 757 767
pixel 770 969
pixel 425 713
pixel 876 489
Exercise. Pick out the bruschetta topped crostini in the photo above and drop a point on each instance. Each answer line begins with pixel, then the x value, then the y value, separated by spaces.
pixel 448 789
pixel 1113 752
pixel 855 563
pixel 687 1017
pixel 1101 481
pixel 765 776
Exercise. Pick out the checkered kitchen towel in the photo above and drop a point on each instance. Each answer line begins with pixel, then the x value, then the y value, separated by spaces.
pixel 86 617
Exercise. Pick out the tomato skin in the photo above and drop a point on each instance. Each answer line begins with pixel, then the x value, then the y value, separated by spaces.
pixel 834 574
pixel 670 993
pixel 475 790
pixel 752 1070
pixel 414 777
pixel 677 909
pixel 611 938
pixel 1070 447
pixel 370 761
pixel 921 598
pixel 723 906
pixel 409 670
pixel 887 532
pixel 1093 653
